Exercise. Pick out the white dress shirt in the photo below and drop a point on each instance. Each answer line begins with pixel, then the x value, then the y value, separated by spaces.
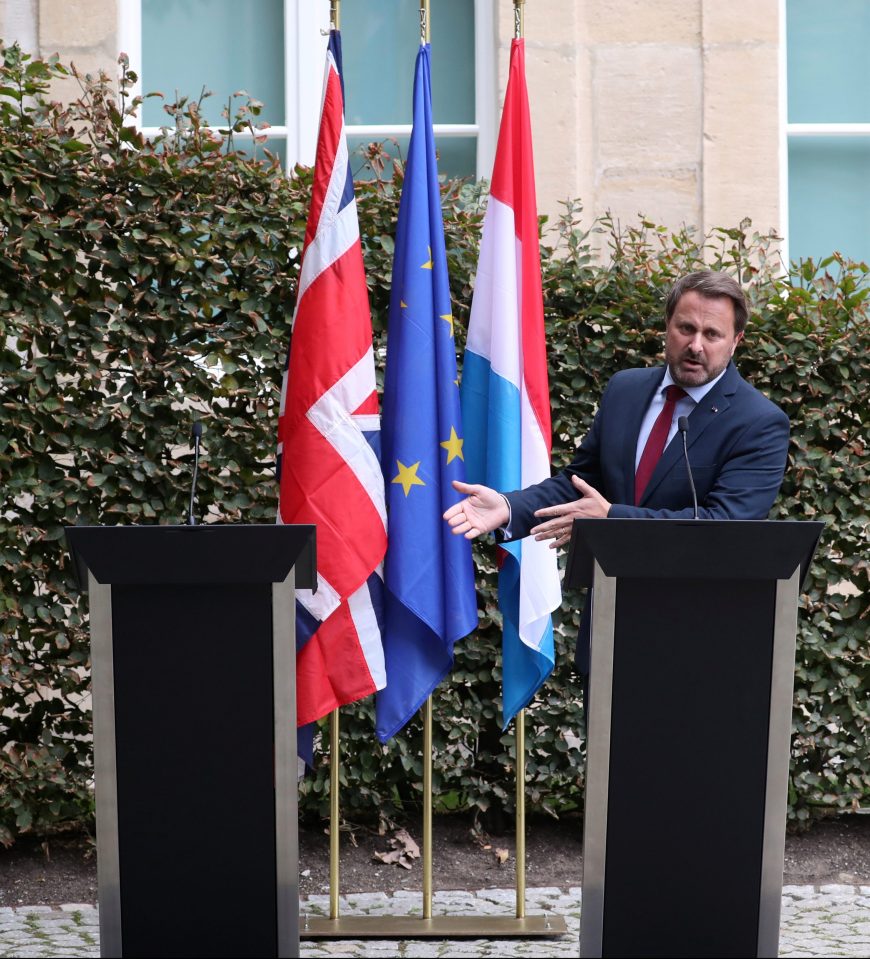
pixel 683 407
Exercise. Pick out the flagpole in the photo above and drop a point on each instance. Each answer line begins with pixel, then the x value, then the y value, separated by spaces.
pixel 427 708
pixel 519 25
pixel 520 721
pixel 334 759
pixel 424 21
pixel 520 746
pixel 334 14
pixel 427 809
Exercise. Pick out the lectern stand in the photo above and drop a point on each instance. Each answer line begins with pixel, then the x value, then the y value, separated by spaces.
pixel 688 732
pixel 193 675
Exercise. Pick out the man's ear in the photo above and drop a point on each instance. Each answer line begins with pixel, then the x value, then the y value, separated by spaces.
pixel 737 340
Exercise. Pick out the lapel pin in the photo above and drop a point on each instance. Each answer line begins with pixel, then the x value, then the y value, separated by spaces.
pixel 714 409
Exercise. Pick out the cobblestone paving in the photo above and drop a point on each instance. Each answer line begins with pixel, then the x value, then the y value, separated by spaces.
pixel 816 921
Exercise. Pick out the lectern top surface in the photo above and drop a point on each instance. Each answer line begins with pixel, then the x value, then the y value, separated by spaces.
pixel 210 553
pixel 686 549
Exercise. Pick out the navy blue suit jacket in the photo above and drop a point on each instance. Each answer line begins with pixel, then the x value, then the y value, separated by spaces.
pixel 738 444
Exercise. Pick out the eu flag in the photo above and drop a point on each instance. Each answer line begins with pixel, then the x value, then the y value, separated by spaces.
pixel 429 574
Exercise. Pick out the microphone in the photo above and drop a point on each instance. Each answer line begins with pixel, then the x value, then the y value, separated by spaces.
pixel 196 432
pixel 683 427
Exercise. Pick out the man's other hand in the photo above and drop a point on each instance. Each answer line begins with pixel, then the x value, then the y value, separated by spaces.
pixel 559 519
pixel 482 511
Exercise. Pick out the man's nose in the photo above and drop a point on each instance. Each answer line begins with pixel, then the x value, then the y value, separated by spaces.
pixel 696 344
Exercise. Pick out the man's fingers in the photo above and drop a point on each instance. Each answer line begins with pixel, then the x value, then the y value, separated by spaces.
pixel 580 484
pixel 554 528
pixel 465 488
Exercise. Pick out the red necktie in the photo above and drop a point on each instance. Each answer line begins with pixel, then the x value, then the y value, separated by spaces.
pixel 655 443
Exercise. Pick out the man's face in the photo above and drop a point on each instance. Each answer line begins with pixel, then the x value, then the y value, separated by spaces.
pixel 700 338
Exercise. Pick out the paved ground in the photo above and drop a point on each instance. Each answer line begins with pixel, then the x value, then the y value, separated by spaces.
pixel 816 921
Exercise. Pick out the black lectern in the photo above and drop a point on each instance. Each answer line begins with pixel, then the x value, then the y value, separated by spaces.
pixel 193 676
pixel 688 732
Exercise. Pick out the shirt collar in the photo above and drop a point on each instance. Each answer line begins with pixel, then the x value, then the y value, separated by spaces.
pixel 697 393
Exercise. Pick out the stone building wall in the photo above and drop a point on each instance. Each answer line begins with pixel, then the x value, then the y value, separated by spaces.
pixel 666 108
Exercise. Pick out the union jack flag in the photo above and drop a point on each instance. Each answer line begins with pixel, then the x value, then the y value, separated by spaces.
pixel 328 437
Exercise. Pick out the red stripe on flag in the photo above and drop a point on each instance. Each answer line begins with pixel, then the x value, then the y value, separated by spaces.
pixel 513 183
pixel 318 486
pixel 331 669
pixel 332 332
pixel 331 122
pixel 368 406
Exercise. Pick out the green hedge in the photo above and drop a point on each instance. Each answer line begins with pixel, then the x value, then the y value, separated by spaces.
pixel 140 282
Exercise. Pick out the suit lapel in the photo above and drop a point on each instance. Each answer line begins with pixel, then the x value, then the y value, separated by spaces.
pixel 712 406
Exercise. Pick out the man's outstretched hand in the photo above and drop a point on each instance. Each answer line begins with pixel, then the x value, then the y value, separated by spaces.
pixel 482 511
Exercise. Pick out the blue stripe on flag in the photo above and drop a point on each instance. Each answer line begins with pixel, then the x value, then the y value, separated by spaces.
pixel 373 438
pixel 335 50
pixel 306 626
pixel 523 668
pixel 491 409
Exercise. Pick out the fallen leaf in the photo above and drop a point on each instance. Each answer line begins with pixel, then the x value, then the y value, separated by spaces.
pixel 403 850
pixel 501 855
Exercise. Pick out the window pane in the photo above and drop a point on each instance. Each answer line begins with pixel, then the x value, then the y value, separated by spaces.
pixel 222 44
pixel 379 43
pixel 828 65
pixel 829 197
pixel 457 156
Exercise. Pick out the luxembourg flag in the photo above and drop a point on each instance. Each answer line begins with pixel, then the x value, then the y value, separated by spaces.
pixel 505 393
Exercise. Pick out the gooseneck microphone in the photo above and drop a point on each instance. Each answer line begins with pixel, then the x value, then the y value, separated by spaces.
pixel 196 432
pixel 683 427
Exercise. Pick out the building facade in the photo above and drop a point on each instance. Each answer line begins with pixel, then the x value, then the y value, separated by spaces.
pixel 687 112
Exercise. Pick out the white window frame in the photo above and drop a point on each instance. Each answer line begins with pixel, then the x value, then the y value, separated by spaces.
pixel 306 25
pixel 790 131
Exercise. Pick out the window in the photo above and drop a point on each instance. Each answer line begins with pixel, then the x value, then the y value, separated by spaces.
pixel 828 129
pixel 275 49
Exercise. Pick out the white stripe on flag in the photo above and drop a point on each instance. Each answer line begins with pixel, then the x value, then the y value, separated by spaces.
pixel 327 246
pixel 496 291
pixel 369 632
pixel 331 418
pixel 321 604
pixel 337 183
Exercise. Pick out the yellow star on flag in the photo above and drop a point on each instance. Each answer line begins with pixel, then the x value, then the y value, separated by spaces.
pixel 403 304
pixel 428 264
pixel 449 318
pixel 453 447
pixel 408 476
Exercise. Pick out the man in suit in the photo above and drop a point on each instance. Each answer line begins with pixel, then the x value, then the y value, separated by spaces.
pixel 631 465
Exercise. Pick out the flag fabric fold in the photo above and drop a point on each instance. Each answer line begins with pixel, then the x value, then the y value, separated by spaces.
pixel 505 392
pixel 328 436
pixel 430 600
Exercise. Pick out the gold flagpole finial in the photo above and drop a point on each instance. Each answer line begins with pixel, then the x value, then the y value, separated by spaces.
pixel 424 21
pixel 334 14
pixel 519 26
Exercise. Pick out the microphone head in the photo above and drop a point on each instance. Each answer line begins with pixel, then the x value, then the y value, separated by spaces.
pixel 197 430
pixel 683 424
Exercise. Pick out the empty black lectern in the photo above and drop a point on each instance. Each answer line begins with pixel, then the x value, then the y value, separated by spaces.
pixel 193 676
pixel 688 731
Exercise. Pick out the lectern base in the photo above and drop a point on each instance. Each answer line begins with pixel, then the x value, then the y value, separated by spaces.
pixel 439 927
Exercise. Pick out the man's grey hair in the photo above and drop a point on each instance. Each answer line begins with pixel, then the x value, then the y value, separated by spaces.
pixel 711 284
